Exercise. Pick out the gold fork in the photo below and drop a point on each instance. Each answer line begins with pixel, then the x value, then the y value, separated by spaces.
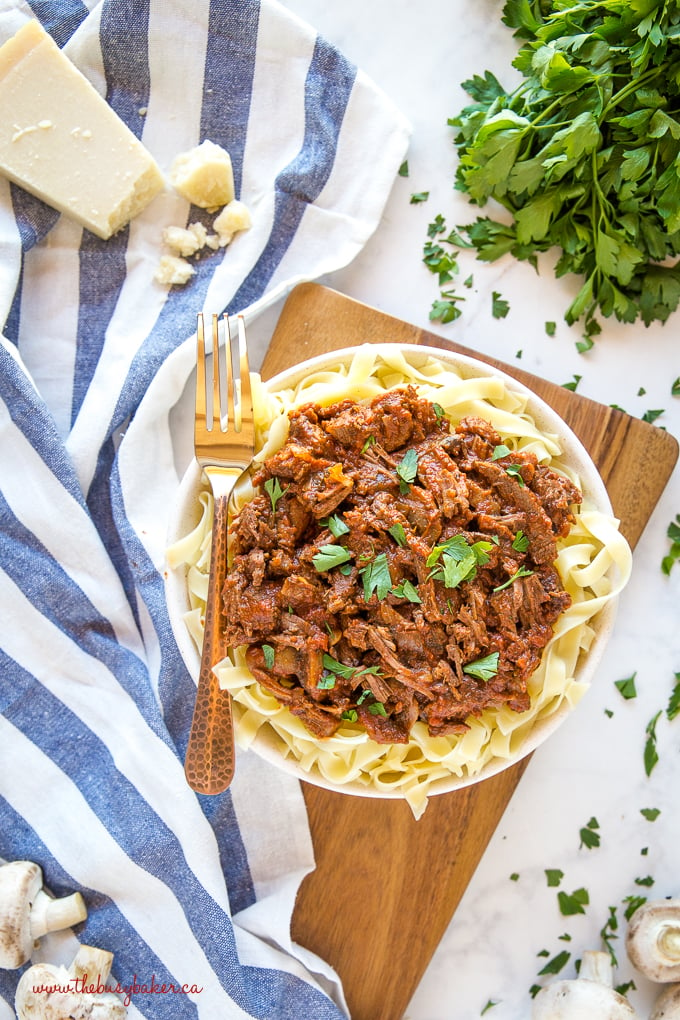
pixel 224 452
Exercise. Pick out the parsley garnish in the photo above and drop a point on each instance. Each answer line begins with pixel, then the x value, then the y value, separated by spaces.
pixel 406 590
pixel 273 489
pixel 574 903
pixel 407 469
pixel 330 556
pixel 483 669
pixel 398 534
pixel 520 542
pixel 515 471
pixel 455 561
pixel 590 838
pixel 376 577
pixel 370 441
pixel 555 965
pixel 550 328
pixel 419 196
pixel 350 714
pixel 403 169
pixel 673 708
pixel 650 813
pixel 499 306
pixel 268 653
pixel 377 708
pixel 673 533
pixel 651 755
pixel 554 876
pixel 347 672
pixel 336 526
pixel 627 687
pixel 500 451
pixel 522 572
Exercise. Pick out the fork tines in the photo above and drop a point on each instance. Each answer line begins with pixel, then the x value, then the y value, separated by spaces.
pixel 223 385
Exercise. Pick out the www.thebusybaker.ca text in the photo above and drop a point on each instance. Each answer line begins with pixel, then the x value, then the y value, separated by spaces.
pixel 84 985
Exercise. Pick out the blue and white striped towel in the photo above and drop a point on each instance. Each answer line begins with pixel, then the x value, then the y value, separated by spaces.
pixel 95 701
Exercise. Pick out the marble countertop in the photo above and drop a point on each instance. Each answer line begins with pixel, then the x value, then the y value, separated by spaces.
pixel 593 767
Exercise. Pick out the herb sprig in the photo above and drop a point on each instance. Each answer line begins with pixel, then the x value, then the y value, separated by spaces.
pixel 583 153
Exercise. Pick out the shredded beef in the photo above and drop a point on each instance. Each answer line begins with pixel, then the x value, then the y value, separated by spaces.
pixel 388 637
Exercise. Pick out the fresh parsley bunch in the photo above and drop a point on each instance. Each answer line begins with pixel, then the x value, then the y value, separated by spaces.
pixel 585 152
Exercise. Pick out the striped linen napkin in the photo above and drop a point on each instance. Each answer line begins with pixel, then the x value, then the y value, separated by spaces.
pixel 188 892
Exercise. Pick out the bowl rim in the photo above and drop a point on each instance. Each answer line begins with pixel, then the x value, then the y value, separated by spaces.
pixel 185 512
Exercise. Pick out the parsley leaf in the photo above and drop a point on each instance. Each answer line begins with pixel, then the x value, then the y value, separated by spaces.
pixel 398 534
pixel 651 755
pixel 673 708
pixel 268 653
pixel 557 963
pixel 574 903
pixel 407 469
pixel 673 533
pixel 273 489
pixel 554 876
pixel 651 814
pixel 330 556
pixel 376 577
pixel 483 669
pixel 590 838
pixel 499 306
pixel 407 590
pixel 520 542
pixel 336 526
pixel 627 687
pixel 522 572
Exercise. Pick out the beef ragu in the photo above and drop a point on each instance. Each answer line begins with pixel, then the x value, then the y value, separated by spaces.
pixel 393 570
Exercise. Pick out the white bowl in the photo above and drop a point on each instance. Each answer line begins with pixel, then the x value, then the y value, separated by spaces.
pixel 266 743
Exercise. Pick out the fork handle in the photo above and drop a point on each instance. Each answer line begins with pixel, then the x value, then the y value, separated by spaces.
pixel 209 761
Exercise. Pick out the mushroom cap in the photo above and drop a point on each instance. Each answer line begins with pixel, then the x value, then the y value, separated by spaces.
pixel 580 999
pixel 49 992
pixel 667 1006
pixel 32 1002
pixel 20 882
pixel 653 940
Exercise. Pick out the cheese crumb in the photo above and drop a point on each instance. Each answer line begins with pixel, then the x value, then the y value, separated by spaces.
pixel 204 175
pixel 173 271
pixel 234 217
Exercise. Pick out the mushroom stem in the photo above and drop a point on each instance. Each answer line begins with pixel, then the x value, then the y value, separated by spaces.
pixel 92 963
pixel 667 1006
pixel 50 914
pixel 596 965
pixel 669 942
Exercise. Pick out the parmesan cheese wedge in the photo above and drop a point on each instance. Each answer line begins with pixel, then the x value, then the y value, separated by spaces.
pixel 62 142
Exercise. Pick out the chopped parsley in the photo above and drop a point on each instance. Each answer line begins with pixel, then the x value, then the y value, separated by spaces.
pixel 407 469
pixel 268 653
pixel 522 572
pixel 483 669
pixel 454 560
pixel 419 196
pixel 626 687
pixel 376 577
pixel 650 813
pixel 515 471
pixel 273 489
pixel 651 755
pixel 554 876
pixel 590 838
pixel 398 534
pixel 330 556
pixel 407 590
pixel 673 708
pixel 520 542
pixel 336 526
pixel 673 533
pixel 557 963
pixel 574 903
pixel 499 306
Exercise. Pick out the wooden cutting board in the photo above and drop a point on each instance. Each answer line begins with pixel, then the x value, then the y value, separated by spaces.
pixel 385 886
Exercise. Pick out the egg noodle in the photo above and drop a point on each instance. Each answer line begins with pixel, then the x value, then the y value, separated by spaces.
pixel 594 563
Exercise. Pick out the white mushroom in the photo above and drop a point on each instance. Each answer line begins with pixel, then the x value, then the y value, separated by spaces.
pixel 27 912
pixel 591 995
pixel 653 940
pixel 667 1006
pixel 48 992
